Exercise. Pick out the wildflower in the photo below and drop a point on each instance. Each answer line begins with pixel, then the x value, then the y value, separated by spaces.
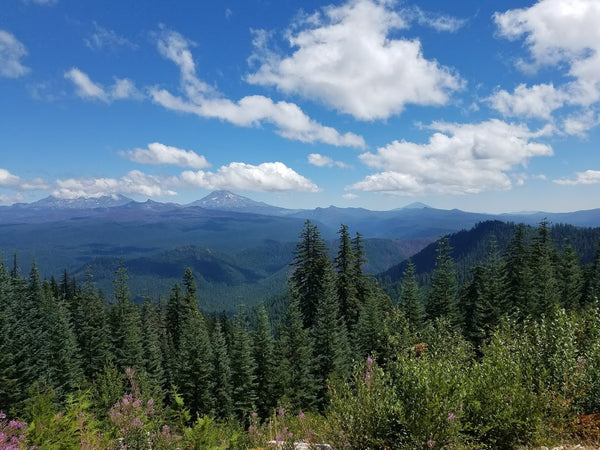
pixel 250 430
pixel 368 376
pixel 137 403
pixel 16 424
pixel 346 444
pixel 254 415
pixel 290 434
pixel 150 402
pixel 430 443
pixel 2 415
pixel 278 437
pixel 281 412
pixel 166 429
pixel 311 432
pixel 301 415
pixel 136 423
pixel 369 361
pixel 451 417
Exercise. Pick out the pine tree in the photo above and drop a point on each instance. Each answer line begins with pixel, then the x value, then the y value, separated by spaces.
pixel 311 263
pixel 346 278
pixel 242 370
pixel 570 279
pixel 517 275
pixel 221 374
pixel 361 281
pixel 545 293
pixel 264 356
pixel 296 384
pixel 329 335
pixel 442 298
pixel 125 325
pixel 92 331
pixel 591 290
pixel 151 340
pixel 410 302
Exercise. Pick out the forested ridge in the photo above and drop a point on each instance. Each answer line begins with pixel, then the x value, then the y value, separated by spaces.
pixel 508 356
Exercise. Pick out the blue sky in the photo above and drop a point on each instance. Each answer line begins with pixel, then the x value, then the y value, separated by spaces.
pixel 484 106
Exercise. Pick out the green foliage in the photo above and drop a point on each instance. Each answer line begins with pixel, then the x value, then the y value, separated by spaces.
pixel 366 412
pixel 206 432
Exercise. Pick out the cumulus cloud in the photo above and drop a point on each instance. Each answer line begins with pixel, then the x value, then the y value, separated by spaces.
pixel 458 159
pixel 103 38
pixel 134 182
pixel 268 176
pixel 587 177
pixel 538 101
pixel 11 52
pixel 9 180
pixel 158 153
pixel 366 74
pixel 559 34
pixel 324 161
pixel 205 101
pixel 121 89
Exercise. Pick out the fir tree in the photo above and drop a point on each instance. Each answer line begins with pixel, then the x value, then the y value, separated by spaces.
pixel 125 325
pixel 242 370
pixel 151 339
pixel 296 384
pixel 346 278
pixel 410 302
pixel 442 298
pixel 570 279
pixel 311 264
pixel 221 374
pixel 545 293
pixel 517 275
pixel 264 356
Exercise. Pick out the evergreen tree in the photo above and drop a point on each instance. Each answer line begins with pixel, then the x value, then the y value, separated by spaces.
pixel 296 384
pixel 517 275
pixel 222 374
pixel 370 333
pixel 242 370
pixel 570 279
pixel 92 331
pixel 151 339
pixel 125 325
pixel 442 298
pixel 545 293
pixel 591 291
pixel 361 281
pixel 311 264
pixel 410 302
pixel 264 356
pixel 346 278
pixel 175 314
pixel 329 335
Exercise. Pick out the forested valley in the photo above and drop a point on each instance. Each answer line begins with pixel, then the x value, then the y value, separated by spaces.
pixel 505 354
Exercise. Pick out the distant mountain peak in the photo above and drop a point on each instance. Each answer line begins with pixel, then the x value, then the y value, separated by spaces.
pixel 416 205
pixel 105 201
pixel 228 201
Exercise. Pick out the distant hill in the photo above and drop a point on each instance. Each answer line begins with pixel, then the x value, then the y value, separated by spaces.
pixel 471 247
pixel 249 243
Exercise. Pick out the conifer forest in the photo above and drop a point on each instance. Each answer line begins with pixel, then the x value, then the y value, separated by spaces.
pixel 506 357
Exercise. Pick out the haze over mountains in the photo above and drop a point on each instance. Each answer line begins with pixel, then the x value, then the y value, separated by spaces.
pixel 239 249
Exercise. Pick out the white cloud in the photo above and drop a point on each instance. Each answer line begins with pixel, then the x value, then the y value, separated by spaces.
pixel 537 101
pixel 121 89
pixel 579 124
pixel 324 161
pixel 11 52
pixel 158 153
pixel 458 159
pixel 345 58
pixel 558 33
pixel 269 176
pixel 7 179
pixel 350 196
pixel 6 199
pixel 587 177
pixel 438 22
pixel 134 182
pixel 203 100
pixel 103 38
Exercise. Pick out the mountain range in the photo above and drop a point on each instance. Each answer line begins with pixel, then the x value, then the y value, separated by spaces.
pixel 239 249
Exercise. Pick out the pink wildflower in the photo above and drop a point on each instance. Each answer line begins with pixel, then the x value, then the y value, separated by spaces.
pixel 368 376
pixel 281 412
pixel 301 415
pixel 369 361
pixel 451 417
pixel 430 443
